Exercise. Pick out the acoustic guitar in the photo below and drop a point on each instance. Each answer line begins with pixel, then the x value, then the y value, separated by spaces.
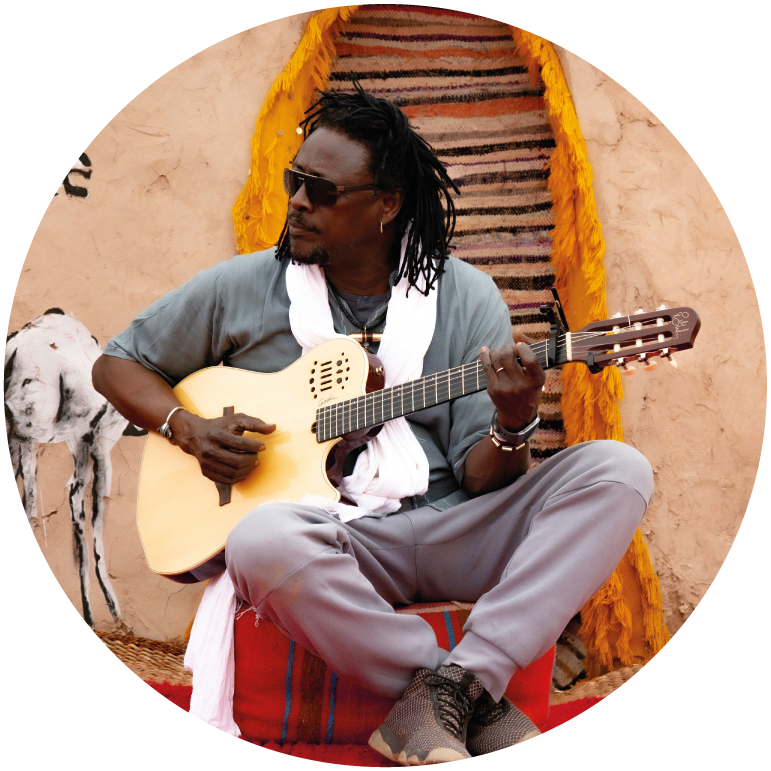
pixel 184 519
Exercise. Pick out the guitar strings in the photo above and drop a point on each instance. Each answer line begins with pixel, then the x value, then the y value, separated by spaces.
pixel 448 382
pixel 387 399
pixel 301 416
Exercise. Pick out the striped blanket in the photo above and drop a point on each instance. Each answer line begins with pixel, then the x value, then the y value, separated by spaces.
pixel 285 693
pixel 458 79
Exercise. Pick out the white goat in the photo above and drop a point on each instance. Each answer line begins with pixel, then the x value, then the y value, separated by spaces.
pixel 49 398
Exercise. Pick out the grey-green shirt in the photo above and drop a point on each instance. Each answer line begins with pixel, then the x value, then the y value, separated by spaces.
pixel 237 313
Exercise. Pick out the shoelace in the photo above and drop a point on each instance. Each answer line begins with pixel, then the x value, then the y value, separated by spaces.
pixel 452 702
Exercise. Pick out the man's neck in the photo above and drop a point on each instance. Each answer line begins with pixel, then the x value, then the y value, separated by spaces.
pixel 364 277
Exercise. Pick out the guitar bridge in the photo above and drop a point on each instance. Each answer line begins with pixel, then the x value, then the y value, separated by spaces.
pixel 222 489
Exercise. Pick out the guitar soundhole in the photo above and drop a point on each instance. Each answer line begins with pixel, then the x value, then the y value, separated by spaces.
pixel 326 376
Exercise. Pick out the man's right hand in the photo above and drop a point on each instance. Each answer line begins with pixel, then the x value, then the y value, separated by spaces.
pixel 142 396
pixel 224 454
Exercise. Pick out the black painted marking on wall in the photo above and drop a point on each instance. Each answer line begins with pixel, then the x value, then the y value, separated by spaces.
pixel 84 170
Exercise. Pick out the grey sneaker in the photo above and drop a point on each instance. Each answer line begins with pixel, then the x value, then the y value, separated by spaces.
pixel 428 724
pixel 494 726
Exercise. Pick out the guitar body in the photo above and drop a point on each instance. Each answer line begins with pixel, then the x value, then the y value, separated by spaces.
pixel 180 521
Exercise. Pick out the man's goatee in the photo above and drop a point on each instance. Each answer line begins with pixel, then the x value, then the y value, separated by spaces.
pixel 318 256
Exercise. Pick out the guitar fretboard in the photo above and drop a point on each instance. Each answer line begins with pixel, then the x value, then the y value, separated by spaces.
pixel 375 408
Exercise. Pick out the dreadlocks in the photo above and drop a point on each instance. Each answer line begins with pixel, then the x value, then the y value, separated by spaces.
pixel 400 159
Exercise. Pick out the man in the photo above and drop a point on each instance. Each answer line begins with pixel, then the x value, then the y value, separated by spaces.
pixel 365 214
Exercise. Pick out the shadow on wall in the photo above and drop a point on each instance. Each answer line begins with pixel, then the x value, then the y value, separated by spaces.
pixel 48 399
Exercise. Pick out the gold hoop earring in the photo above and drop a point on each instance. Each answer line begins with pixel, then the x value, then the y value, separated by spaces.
pixel 381 227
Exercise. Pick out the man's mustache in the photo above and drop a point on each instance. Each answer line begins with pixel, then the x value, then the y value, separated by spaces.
pixel 298 222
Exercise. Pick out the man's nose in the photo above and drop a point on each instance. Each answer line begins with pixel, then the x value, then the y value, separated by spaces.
pixel 300 201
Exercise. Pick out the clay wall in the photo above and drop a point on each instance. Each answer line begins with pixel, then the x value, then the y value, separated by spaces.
pixel 669 242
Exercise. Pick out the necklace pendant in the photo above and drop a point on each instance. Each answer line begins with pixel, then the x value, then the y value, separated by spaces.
pixel 366 337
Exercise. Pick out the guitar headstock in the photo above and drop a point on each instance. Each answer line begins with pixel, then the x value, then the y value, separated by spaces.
pixel 635 338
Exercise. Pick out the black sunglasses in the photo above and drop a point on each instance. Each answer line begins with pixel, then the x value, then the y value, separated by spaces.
pixel 320 191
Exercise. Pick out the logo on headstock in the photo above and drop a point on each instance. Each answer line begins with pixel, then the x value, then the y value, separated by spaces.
pixel 680 320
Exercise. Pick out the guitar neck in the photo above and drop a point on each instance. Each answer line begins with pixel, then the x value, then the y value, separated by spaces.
pixel 374 409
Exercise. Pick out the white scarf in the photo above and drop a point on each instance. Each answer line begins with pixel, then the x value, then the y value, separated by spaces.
pixel 393 466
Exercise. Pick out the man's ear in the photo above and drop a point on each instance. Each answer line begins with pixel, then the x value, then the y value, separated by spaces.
pixel 392 202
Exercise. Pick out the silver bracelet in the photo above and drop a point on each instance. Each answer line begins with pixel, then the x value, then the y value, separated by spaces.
pixel 165 429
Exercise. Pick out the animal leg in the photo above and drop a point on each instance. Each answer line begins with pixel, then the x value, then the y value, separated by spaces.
pixel 14 450
pixel 27 469
pixel 102 468
pixel 77 489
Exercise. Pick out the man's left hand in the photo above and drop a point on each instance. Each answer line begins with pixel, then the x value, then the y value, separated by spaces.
pixel 514 381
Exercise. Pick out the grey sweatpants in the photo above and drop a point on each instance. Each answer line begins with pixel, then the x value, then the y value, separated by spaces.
pixel 529 555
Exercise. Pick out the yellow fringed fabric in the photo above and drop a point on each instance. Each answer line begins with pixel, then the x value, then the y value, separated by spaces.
pixel 653 610
pixel 590 402
pixel 260 210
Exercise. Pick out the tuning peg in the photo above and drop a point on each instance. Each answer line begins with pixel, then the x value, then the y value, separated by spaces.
pixel 625 370
pixel 661 308
pixel 665 354
pixel 649 365
pixel 639 310
pixel 616 316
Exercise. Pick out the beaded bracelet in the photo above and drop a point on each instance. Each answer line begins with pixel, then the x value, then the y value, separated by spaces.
pixel 511 440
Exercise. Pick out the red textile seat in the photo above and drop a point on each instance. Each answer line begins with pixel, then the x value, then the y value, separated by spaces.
pixel 285 693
